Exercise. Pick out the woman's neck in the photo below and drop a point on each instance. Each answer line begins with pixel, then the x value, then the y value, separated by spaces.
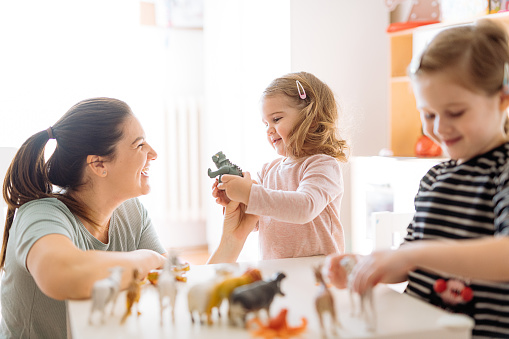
pixel 100 209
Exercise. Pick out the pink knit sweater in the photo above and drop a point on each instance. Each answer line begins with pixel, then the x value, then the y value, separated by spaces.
pixel 299 203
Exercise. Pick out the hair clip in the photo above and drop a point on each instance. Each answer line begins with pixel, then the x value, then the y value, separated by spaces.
pixel 415 64
pixel 505 82
pixel 299 87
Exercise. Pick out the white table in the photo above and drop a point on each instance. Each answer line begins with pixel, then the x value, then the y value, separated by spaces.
pixel 398 315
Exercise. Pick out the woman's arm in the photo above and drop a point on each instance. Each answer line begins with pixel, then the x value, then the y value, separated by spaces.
pixel 62 271
pixel 236 227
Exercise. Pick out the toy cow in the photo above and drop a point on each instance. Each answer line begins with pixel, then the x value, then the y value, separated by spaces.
pixel 222 290
pixel 105 291
pixel 348 263
pixel 253 297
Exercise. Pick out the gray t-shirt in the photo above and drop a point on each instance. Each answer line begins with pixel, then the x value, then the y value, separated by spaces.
pixel 26 311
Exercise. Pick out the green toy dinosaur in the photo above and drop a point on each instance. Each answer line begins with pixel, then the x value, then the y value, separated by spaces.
pixel 224 166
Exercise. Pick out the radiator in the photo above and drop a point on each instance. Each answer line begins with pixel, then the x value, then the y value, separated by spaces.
pixel 184 193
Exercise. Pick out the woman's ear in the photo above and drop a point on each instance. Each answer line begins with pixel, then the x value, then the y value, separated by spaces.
pixel 96 165
pixel 504 101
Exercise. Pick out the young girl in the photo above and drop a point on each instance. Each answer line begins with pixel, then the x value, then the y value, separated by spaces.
pixel 297 196
pixel 462 206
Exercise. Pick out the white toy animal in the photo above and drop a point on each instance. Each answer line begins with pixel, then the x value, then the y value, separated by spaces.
pixel 198 296
pixel 105 291
pixel 366 304
pixel 167 286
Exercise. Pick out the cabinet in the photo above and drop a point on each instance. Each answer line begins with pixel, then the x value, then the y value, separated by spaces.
pixel 405 124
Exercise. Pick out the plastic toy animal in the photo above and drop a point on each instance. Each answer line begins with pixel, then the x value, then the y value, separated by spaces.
pixel 180 270
pixel 254 297
pixel 105 291
pixel 167 286
pixel 198 296
pixel 367 311
pixel 223 289
pixel 324 303
pixel 133 295
pixel 276 327
pixel 224 166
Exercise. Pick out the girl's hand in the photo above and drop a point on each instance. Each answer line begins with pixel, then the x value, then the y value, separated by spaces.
pixel 388 266
pixel 335 272
pixel 237 188
pixel 220 195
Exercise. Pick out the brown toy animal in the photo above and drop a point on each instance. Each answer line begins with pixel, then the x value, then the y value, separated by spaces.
pixel 324 303
pixel 224 289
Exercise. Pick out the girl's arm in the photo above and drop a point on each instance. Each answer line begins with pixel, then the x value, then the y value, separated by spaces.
pixel 62 271
pixel 317 183
pixel 236 227
pixel 475 259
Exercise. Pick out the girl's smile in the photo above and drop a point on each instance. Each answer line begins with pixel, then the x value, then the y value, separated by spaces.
pixel 463 122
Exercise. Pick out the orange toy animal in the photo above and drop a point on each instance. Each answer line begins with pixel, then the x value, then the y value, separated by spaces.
pixel 223 289
pixel 277 327
pixel 133 295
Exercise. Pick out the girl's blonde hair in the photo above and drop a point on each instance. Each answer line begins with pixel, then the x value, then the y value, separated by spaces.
pixel 316 131
pixel 476 53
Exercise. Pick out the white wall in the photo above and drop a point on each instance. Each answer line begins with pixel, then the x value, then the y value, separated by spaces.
pixel 342 42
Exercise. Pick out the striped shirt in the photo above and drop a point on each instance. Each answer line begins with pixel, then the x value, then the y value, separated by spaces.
pixel 465 201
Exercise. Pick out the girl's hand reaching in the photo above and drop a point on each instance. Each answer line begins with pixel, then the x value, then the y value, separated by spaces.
pixel 388 267
pixel 336 273
pixel 237 188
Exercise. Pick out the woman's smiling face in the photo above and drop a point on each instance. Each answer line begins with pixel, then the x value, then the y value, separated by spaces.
pixel 280 118
pixel 129 171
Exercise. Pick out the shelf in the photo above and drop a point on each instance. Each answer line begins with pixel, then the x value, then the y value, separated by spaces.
pixel 401 53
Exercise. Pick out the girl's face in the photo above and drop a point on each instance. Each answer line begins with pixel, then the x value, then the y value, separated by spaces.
pixel 128 172
pixel 464 123
pixel 280 118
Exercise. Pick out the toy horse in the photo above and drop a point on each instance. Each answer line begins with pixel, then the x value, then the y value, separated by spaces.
pixel 368 312
pixel 167 286
pixel 324 302
pixel 224 289
pixel 198 296
pixel 224 166
pixel 105 291
pixel 133 295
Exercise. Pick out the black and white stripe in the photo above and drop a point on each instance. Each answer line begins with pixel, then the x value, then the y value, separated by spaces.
pixel 466 201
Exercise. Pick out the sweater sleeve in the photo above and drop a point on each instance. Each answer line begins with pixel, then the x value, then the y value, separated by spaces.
pixel 318 183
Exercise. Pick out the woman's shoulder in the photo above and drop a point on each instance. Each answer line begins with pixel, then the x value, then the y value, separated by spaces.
pixel 44 204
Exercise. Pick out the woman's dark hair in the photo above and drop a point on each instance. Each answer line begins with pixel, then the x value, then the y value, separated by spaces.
pixel 91 127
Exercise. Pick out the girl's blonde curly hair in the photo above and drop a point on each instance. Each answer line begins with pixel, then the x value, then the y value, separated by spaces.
pixel 316 131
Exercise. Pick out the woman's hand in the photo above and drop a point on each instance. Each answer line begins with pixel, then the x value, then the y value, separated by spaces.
pixel 237 188
pixel 220 195
pixel 236 227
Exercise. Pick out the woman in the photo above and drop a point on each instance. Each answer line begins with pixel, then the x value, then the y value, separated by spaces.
pixel 76 216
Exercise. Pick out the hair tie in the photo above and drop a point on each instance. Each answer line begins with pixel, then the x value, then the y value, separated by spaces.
pixel 302 94
pixel 50 132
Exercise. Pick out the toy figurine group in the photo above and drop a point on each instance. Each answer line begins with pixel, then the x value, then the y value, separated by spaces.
pixel 245 294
